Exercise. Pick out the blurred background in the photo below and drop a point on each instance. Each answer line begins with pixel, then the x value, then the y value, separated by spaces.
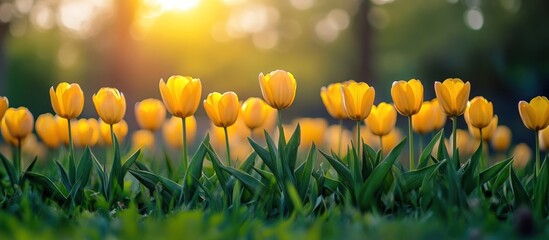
pixel 500 46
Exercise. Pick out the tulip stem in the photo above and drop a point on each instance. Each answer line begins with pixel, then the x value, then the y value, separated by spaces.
pixel 340 137
pixel 112 139
pixel 185 154
pixel 227 145
pixel 411 136
pixel 358 139
pixel 454 141
pixel 17 160
pixel 381 146
pixel 482 160
pixel 280 129
pixel 537 154
pixel 72 165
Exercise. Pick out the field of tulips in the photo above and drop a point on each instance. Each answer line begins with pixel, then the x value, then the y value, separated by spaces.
pixel 253 176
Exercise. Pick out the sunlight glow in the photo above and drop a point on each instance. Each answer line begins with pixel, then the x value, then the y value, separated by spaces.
pixel 174 5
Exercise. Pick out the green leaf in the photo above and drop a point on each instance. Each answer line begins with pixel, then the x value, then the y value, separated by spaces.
pixel 425 191
pixel 521 196
pixel 10 169
pixel 494 171
pixel 374 181
pixel 541 190
pixel 426 154
pixel 64 177
pixel 194 171
pixel 501 178
pixel 290 150
pixel 51 189
pixel 414 179
pixel 102 176
pixel 268 176
pixel 343 172
pixel 247 165
pixel 278 169
pixel 470 177
pixel 150 181
pixel 304 172
pixel 84 167
pixel 116 176
pixel 216 163
pixel 252 184
pixel 131 160
pixel 31 166
pixel 263 153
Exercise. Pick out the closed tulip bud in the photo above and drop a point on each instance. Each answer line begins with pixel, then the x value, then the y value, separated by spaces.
pixel 4 104
pixel 439 117
pixel 63 129
pixel 382 119
pixel 142 139
pixel 423 121
pixel 150 114
pixel 269 124
pixel 358 99
pixel 544 139
pixel 312 131
pixel 173 128
pixel 408 96
pixel 278 88
pixel 85 132
pixel 48 130
pixel 67 100
pixel 254 112
pixel 110 105
pixel 7 135
pixel 535 115
pixel 501 138
pixel 181 95
pixel 333 100
pixel 19 122
pixel 479 112
pixel 222 109
pixel 120 130
pixel 452 95
pixel 487 132
pixel 521 155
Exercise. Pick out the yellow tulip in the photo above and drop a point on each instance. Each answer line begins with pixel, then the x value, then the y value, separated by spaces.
pixel 487 132
pixel 278 88
pixel 143 139
pixel 463 143
pixel 269 124
pixel 48 130
pixel 521 155
pixel 110 105
pixel 408 96
pixel 333 100
pixel 238 132
pixel 63 129
pixel 4 104
pixel 254 112
pixel 120 130
pixel 439 117
pixel 222 109
pixel 312 131
pixel 358 99
pixel 501 138
pixel 366 136
pixel 535 115
pixel 452 94
pixel 479 112
pixel 544 139
pixel 390 140
pixel 172 130
pixel 19 122
pixel 85 132
pixel 382 119
pixel 181 95
pixel 331 139
pixel 423 121
pixel 7 135
pixel 150 114
pixel 67 100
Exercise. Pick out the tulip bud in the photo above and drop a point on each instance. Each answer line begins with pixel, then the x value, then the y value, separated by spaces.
pixel 521 155
pixel 278 88
pixel 382 119
pixel 4 104
pixel 501 138
pixel 422 122
pixel 439 117
pixel 110 104
pixel 333 100
pixel 544 139
pixel 358 99
pixel 390 140
pixel 452 94
pixel 120 130
pixel 487 132
pixel 62 126
pixel 143 139
pixel 67 100
pixel 48 130
pixel 85 132
pixel 312 131
pixel 408 96
pixel 222 109
pixel 479 112
pixel 150 114
pixel 535 115
pixel 173 128
pixel 19 122
pixel 181 95
pixel 254 112
pixel 7 135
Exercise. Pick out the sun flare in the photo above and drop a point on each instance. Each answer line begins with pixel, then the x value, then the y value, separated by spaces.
pixel 174 5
